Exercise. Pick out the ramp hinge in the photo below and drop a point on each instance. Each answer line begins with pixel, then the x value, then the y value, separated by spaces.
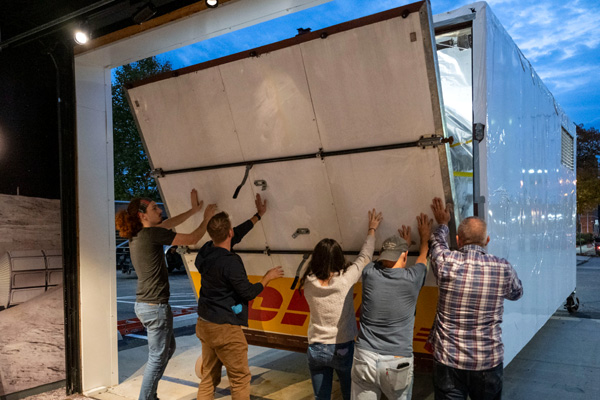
pixel 157 173
pixel 433 141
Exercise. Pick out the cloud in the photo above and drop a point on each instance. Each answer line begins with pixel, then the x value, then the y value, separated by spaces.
pixel 551 27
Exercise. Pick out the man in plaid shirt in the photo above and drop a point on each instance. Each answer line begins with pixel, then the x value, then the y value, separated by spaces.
pixel 466 337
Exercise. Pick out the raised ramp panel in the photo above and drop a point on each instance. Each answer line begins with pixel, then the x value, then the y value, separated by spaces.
pixel 331 120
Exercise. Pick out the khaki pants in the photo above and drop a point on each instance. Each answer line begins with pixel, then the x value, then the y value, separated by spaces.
pixel 223 344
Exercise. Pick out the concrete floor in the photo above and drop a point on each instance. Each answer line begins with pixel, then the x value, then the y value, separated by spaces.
pixel 561 362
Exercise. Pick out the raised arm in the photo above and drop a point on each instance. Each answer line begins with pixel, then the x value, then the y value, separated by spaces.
pixel 189 239
pixel 439 243
pixel 366 252
pixel 181 218
pixel 424 224
pixel 242 229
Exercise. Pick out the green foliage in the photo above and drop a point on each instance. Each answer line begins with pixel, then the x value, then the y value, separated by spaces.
pixel 584 238
pixel 588 173
pixel 132 169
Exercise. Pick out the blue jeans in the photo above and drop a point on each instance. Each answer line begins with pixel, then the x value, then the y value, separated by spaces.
pixel 455 384
pixel 323 359
pixel 374 374
pixel 158 321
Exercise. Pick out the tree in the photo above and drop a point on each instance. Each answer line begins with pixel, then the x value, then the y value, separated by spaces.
pixel 132 169
pixel 588 172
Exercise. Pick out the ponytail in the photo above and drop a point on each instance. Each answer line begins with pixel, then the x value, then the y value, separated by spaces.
pixel 128 222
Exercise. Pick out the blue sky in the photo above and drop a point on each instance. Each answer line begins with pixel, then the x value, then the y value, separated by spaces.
pixel 561 39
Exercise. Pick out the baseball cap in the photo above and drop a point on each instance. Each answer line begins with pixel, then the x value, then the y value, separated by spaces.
pixel 392 248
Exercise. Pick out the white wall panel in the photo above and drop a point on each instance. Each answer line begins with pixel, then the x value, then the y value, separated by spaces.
pixel 271 105
pixel 299 197
pixel 215 186
pixel 186 121
pixel 390 181
pixel 370 85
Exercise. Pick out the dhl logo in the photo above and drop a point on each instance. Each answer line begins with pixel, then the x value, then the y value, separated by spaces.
pixel 279 309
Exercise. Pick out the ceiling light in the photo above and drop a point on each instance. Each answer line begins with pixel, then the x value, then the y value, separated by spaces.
pixel 81 35
pixel 211 3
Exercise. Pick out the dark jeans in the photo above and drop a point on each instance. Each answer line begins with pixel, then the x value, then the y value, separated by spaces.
pixel 323 359
pixel 455 384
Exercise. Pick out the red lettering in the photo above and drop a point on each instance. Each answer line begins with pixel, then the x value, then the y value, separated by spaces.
pixel 297 303
pixel 271 298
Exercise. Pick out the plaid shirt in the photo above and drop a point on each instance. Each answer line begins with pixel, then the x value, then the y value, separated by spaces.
pixel 472 285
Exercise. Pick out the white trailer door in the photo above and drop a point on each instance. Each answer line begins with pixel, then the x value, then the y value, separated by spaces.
pixel 333 122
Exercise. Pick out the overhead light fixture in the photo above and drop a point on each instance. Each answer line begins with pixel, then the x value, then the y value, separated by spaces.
pixel 82 34
pixel 211 3
pixel 146 12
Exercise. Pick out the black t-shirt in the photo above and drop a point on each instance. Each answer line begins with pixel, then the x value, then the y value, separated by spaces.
pixel 148 259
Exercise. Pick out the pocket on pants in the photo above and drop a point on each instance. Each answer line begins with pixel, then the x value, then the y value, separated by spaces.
pixel 362 371
pixel 397 377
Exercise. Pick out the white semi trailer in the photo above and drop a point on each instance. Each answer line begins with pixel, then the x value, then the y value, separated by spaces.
pixel 331 123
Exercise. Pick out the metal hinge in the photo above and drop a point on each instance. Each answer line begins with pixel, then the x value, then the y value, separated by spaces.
pixel 157 173
pixel 433 141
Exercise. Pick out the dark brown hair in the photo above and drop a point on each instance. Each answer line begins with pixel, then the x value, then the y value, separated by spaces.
pixel 327 259
pixel 128 221
pixel 218 227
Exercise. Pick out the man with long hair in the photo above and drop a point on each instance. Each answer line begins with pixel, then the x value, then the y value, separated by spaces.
pixel 143 225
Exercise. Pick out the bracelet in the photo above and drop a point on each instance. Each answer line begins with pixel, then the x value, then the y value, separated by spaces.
pixel 374 230
pixel 257 215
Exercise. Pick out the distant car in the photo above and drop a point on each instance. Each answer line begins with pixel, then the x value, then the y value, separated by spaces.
pixel 172 258
pixel 597 245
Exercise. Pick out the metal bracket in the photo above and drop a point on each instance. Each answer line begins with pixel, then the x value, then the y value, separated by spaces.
pixel 157 173
pixel 262 183
pixel 320 154
pixel 300 231
pixel 478 131
pixel 183 250
pixel 267 251
pixel 433 141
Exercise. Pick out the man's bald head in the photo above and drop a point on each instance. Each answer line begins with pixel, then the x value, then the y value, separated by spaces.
pixel 472 230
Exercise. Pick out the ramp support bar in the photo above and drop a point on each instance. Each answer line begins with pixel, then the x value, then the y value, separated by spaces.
pixel 423 142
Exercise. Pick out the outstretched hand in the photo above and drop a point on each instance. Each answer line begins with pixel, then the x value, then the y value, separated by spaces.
pixel 261 206
pixel 404 233
pixel 210 211
pixel 441 213
pixel 271 274
pixel 196 204
pixel 374 219
pixel 424 224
